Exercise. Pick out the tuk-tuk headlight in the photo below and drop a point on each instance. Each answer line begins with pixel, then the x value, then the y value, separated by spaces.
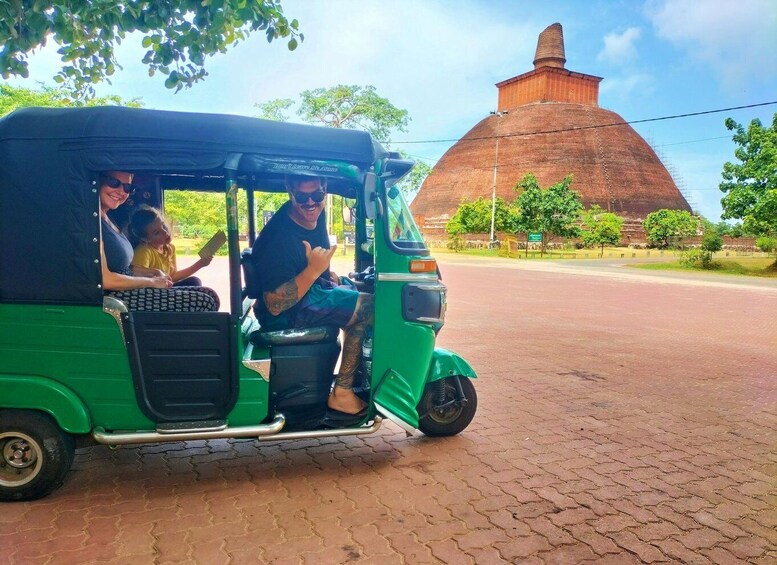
pixel 424 302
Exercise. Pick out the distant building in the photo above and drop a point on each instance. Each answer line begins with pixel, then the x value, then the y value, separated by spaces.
pixel 549 123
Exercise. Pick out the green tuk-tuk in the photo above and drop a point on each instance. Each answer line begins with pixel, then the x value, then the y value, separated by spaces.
pixel 77 367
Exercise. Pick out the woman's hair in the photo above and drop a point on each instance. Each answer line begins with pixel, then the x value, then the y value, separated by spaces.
pixel 141 218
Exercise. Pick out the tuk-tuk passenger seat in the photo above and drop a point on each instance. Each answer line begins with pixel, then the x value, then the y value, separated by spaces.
pixel 293 336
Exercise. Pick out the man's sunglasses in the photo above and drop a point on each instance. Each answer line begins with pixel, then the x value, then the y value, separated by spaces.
pixel 317 196
pixel 113 182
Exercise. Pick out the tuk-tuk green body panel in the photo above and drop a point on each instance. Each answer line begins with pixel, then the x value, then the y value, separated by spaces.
pixel 27 392
pixel 402 350
pixel 396 398
pixel 252 400
pixel 78 348
pixel 403 361
pixel 71 362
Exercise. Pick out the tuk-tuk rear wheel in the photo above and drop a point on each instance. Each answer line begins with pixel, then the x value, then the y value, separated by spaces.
pixel 443 410
pixel 35 454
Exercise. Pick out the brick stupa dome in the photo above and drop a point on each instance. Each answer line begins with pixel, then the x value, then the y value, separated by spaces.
pixel 549 123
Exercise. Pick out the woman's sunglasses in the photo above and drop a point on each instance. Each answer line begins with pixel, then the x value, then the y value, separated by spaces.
pixel 113 182
pixel 317 196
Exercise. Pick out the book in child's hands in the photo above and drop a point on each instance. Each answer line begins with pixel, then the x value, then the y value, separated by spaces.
pixel 214 244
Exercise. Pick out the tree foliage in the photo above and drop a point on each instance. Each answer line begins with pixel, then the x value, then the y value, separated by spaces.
pixel 412 181
pixel 342 106
pixel 601 228
pixel 12 98
pixel 178 35
pixel 275 109
pixel 201 214
pixel 347 107
pixel 751 183
pixel 667 228
pixel 553 211
pixel 475 217
pixel 712 241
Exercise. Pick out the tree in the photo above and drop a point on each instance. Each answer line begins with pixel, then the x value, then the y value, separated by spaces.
pixel 711 242
pixel 411 183
pixel 601 228
pixel 751 184
pixel 475 217
pixel 274 109
pixel 12 98
pixel 178 35
pixel 665 228
pixel 201 214
pixel 342 106
pixel 347 107
pixel 551 212
pixel 378 113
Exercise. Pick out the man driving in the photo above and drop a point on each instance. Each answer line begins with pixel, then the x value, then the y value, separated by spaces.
pixel 298 289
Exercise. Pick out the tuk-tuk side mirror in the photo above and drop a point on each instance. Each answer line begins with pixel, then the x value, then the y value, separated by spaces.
pixel 370 195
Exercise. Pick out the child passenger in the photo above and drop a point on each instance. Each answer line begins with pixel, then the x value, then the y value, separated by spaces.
pixel 153 248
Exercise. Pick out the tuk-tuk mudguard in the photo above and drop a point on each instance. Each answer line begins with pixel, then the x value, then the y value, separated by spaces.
pixel 22 392
pixel 395 398
pixel 448 364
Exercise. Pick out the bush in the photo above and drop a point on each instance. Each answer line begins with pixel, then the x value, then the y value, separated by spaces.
pixel 697 258
pixel 455 242
pixel 766 243
pixel 712 241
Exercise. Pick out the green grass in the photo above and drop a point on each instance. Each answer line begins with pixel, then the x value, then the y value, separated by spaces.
pixel 609 253
pixel 747 266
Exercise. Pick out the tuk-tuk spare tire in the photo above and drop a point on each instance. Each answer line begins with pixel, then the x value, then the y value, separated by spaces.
pixel 35 454
pixel 448 421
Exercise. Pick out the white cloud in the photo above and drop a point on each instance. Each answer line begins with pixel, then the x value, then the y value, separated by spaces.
pixel 619 48
pixel 427 64
pixel 736 39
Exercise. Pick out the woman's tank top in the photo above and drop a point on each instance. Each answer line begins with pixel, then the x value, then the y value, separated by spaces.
pixel 118 250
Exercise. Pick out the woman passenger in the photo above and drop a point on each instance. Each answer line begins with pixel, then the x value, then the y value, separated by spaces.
pixel 138 287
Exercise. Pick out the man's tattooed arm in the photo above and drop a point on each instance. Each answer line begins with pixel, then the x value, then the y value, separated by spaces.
pixel 282 298
pixel 291 292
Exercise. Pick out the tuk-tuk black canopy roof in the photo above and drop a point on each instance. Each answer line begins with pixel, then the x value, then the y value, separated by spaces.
pixel 50 157
pixel 100 129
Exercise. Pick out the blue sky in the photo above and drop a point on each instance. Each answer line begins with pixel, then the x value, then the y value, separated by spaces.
pixel 441 59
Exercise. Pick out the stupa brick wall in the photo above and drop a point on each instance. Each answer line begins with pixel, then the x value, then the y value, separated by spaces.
pixel 559 85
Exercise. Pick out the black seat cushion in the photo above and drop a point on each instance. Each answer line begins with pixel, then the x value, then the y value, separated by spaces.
pixel 295 336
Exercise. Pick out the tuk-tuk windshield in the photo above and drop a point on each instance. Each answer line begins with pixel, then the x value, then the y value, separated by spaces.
pixel 402 229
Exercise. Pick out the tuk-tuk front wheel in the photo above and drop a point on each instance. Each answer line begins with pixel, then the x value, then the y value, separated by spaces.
pixel 35 455
pixel 447 406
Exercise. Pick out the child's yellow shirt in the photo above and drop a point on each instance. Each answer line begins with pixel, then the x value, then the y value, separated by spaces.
pixel 150 258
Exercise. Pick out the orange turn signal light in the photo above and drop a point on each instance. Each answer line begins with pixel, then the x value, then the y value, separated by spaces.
pixel 423 266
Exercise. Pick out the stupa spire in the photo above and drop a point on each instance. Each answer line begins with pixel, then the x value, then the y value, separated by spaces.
pixel 550 48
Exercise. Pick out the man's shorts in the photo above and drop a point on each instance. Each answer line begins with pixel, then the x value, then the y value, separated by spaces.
pixel 327 306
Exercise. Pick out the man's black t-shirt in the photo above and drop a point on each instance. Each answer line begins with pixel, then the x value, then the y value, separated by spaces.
pixel 279 255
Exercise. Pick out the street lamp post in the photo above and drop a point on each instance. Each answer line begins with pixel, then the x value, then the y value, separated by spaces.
pixel 496 164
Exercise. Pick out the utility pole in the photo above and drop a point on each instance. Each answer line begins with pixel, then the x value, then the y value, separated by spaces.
pixel 498 115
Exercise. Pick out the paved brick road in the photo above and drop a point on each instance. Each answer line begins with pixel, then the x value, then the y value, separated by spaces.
pixel 621 420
